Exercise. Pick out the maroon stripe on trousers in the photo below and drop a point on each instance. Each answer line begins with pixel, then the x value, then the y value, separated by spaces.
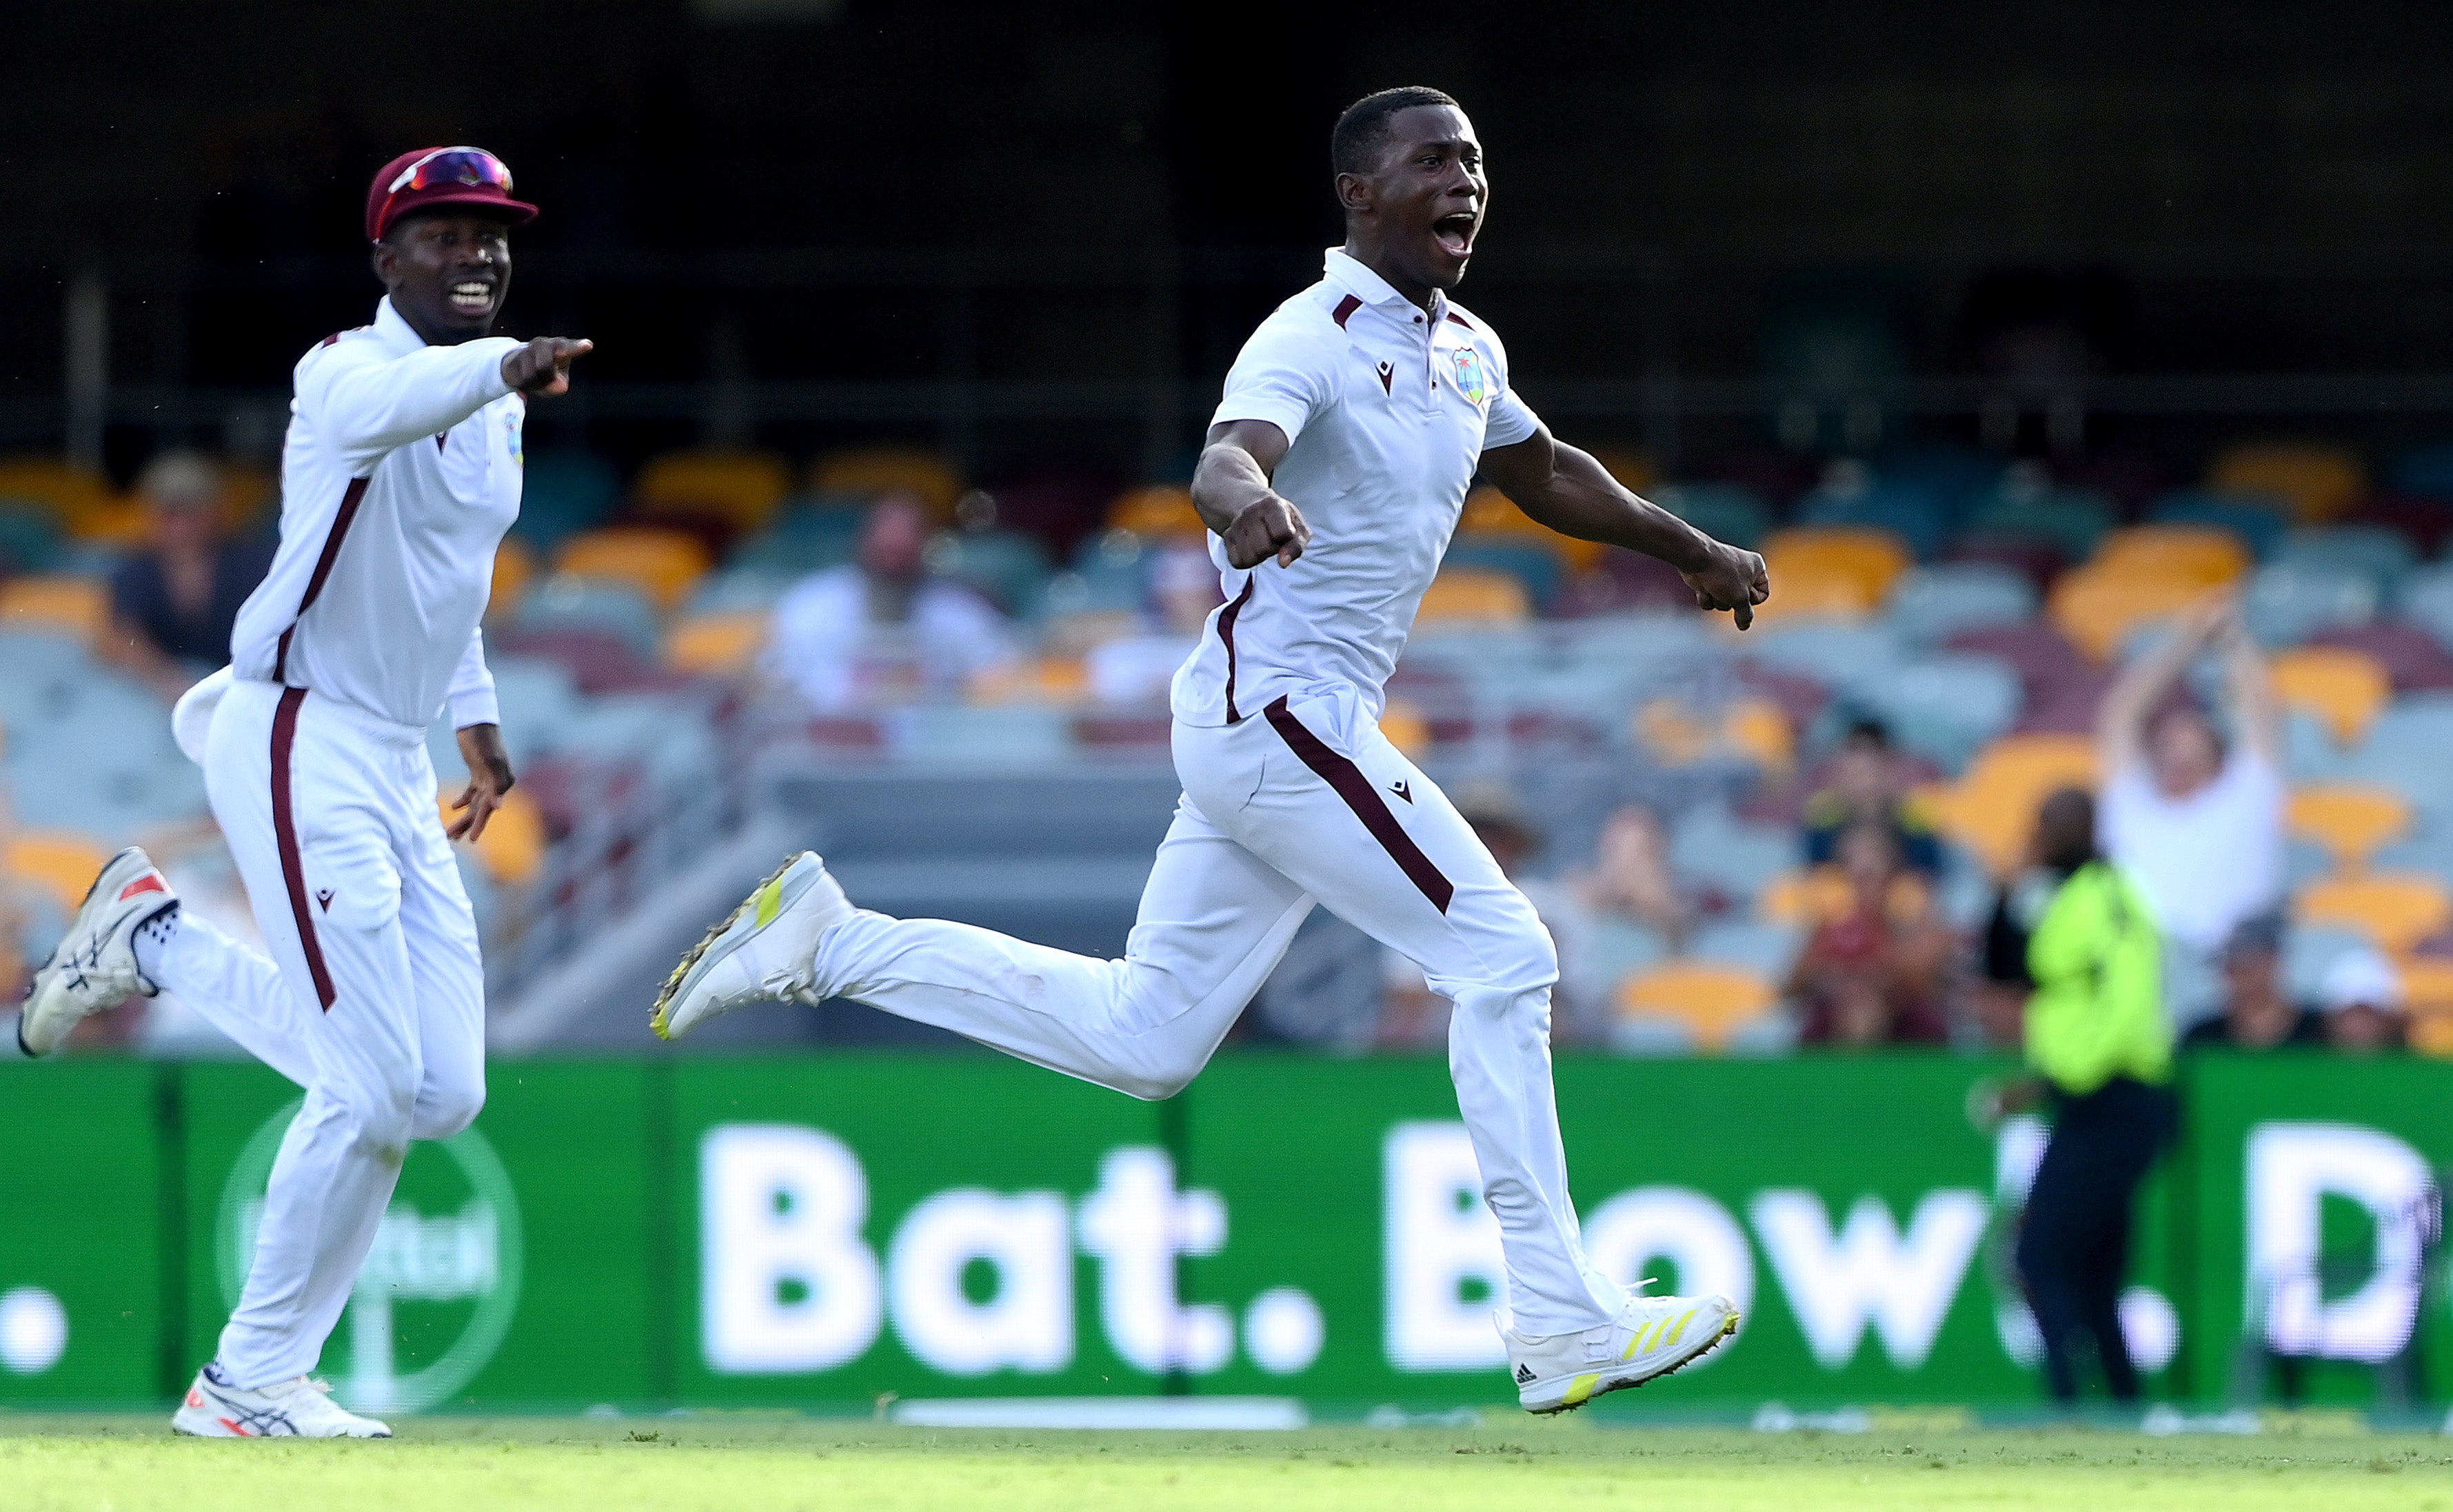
pixel 341 519
pixel 1227 637
pixel 1360 796
pixel 285 837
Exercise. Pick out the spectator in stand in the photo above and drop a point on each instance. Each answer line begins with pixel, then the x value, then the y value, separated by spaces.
pixel 884 630
pixel 1139 668
pixel 172 602
pixel 2197 821
pixel 1873 975
pixel 2257 1015
pixel 2363 1000
pixel 1630 876
pixel 1868 784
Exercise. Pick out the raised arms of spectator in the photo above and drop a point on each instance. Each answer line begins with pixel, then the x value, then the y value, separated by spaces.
pixel 2121 725
pixel 1567 490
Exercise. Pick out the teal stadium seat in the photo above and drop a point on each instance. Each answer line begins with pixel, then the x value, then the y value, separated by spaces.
pixel 1535 566
pixel 564 493
pixel 1933 603
pixel 2260 521
pixel 591 603
pixel 2288 601
pixel 1722 510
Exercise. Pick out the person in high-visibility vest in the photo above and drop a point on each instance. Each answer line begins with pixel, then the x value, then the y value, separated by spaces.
pixel 2081 936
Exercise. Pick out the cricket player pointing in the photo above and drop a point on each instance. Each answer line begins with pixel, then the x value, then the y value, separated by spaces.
pixel 399 476
pixel 1337 464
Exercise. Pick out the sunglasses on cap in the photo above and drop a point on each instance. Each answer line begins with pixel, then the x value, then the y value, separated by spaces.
pixel 447 164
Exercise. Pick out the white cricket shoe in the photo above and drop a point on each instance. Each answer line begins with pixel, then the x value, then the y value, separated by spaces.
pixel 94 966
pixel 1651 1337
pixel 302 1408
pixel 765 949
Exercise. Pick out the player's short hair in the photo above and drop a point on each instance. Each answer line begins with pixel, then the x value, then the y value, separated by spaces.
pixel 1362 133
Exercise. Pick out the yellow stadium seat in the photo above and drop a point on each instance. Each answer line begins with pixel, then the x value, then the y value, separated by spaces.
pixel 1156 513
pixel 2427 997
pixel 2351 821
pixel 1992 808
pixel 1872 558
pixel 2318 482
pixel 1461 595
pixel 2396 912
pixel 1490 514
pixel 1633 469
pixel 70 494
pixel 1759 730
pixel 1406 727
pixel 2345 689
pixel 2197 553
pixel 123 523
pixel 514 568
pixel 717 645
pixel 2096 609
pixel 76 606
pixel 742 488
pixel 661 564
pixel 1805 898
pixel 513 847
pixel 1711 999
pixel 60 860
pixel 888 469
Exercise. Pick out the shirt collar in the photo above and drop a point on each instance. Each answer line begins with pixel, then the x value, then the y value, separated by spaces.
pixel 1349 274
pixel 395 330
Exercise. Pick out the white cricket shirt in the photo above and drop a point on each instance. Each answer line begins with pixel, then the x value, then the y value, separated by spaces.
pixel 400 473
pixel 1388 407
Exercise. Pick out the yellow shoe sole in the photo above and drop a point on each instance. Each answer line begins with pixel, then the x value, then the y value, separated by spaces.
pixel 659 1020
pixel 1729 1328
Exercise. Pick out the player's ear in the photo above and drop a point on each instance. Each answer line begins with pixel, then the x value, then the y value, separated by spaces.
pixel 385 260
pixel 1354 191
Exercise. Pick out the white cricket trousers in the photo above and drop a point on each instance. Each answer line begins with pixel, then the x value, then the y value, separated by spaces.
pixel 1301 803
pixel 373 999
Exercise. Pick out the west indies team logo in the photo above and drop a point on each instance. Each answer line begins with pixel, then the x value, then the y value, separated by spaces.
pixel 1468 374
pixel 440 1287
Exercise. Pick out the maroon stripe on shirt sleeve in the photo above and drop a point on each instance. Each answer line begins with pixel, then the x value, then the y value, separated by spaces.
pixel 1360 795
pixel 1344 307
pixel 285 838
pixel 1227 637
pixel 1460 320
pixel 341 519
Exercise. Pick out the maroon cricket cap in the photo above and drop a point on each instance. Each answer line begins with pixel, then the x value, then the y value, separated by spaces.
pixel 434 176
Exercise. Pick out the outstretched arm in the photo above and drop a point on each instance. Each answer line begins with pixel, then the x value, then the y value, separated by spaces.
pixel 2121 722
pixel 1567 490
pixel 2256 714
pixel 1231 488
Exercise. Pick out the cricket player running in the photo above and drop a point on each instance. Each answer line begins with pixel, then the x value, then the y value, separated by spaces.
pixel 1336 467
pixel 400 473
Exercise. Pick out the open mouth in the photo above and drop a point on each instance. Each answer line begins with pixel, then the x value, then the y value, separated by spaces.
pixel 472 297
pixel 1455 233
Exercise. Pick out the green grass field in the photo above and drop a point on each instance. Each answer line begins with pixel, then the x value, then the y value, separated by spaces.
pixel 681 1465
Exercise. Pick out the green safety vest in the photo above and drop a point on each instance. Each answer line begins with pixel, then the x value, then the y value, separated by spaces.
pixel 2097 961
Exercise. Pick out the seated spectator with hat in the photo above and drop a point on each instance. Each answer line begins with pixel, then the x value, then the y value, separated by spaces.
pixel 2361 996
pixel 2257 1014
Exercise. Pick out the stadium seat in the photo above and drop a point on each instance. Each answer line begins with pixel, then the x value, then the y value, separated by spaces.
pixel 2288 601
pixel 2096 608
pixel 1711 1001
pixel 1711 848
pixel 1840 655
pixel 1531 562
pixel 1991 809
pixel 609 606
pixel 718 644
pixel 1906 511
pixel 1632 470
pixel 2428 998
pixel 2426 600
pixel 62 863
pixel 1470 595
pixel 1006 567
pixel 2396 911
pixel 2319 482
pixel 2308 950
pixel 734 589
pixel 562 492
pixel 1933 604
pixel 2200 554
pixel 2256 521
pixel 1871 559
pixel 1722 510
pixel 121 523
pixel 1611 948
pixel 741 489
pixel 1957 478
pixel 69 494
pixel 515 565
pixel 2382 552
pixel 873 470
pixel 2350 822
pixel 1804 899
pixel 1763 946
pixel 975 734
pixel 2347 689
pixel 30 538
pixel 1493 517
pixel 2072 521
pixel 1945 708
pixel 512 849
pixel 76 606
pixel 661 564
pixel 2427 472
pixel 1157 514
pixel 2408 654
pixel 806 538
